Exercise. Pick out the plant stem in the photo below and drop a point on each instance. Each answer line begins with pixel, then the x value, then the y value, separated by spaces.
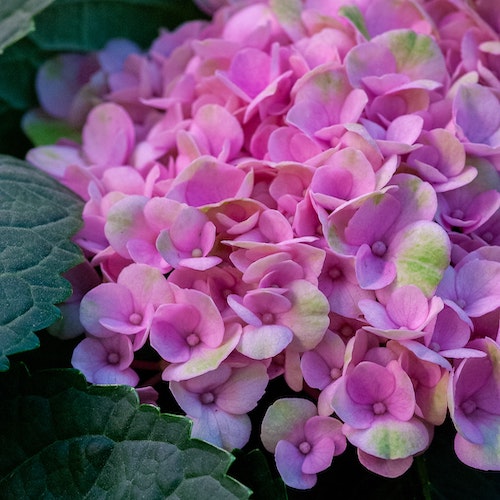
pixel 424 477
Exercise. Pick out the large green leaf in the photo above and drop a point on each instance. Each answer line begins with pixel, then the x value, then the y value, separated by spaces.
pixel 61 438
pixel 83 25
pixel 16 19
pixel 37 218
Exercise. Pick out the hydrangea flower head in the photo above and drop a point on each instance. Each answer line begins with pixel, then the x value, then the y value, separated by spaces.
pixel 305 190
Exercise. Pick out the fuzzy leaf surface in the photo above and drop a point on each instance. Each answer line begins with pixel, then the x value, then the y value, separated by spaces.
pixel 62 438
pixel 38 216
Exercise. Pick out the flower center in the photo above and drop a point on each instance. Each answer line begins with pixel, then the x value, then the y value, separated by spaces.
pixel 346 331
pixel 113 358
pixel 379 408
pixel 379 248
pixel 135 318
pixel 196 252
pixel 457 214
pixel 207 398
pixel 304 447
pixel 193 339
pixel 335 373
pixel 268 318
pixel 468 406
pixel 460 303
pixel 335 273
pixel 488 237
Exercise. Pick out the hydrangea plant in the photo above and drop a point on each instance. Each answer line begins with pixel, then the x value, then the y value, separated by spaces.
pixel 289 226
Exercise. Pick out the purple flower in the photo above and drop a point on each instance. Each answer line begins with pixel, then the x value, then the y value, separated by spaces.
pixel 474 399
pixel 218 402
pixel 191 335
pixel 106 360
pixel 303 442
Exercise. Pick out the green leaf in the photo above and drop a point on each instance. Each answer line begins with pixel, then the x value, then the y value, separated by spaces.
pixel 16 19
pixel 79 441
pixel 37 218
pixel 83 25
pixel 252 469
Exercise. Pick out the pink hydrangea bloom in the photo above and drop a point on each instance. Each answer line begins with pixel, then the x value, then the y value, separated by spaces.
pixel 306 190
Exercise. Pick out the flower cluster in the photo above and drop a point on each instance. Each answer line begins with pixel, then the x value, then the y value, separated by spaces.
pixel 302 189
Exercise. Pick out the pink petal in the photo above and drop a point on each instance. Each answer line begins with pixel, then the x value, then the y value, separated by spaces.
pixel 108 135
pixel 243 389
pixel 370 383
pixel 265 341
pixel 373 272
pixel 408 307
pixel 390 438
pixel 289 462
pixel 386 468
pixel 320 457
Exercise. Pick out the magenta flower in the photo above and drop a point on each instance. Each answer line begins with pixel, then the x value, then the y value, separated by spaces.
pixel 66 164
pixel 472 288
pixel 303 442
pixel 190 334
pixel 441 161
pixel 259 79
pixel 405 316
pixel 476 114
pixel 377 404
pixel 133 225
pixel 276 318
pixel 339 283
pixel 261 263
pixel 468 207
pixel 429 381
pixel 188 241
pixel 106 360
pixel 322 366
pixel 385 230
pixel 126 306
pixel 324 99
pixel 218 402
pixel 264 336
pixel 447 339
pixel 345 175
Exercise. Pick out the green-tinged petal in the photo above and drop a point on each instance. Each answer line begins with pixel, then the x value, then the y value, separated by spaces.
pixel 421 252
pixel 283 418
pixel 308 317
pixel 390 438
pixel 204 359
